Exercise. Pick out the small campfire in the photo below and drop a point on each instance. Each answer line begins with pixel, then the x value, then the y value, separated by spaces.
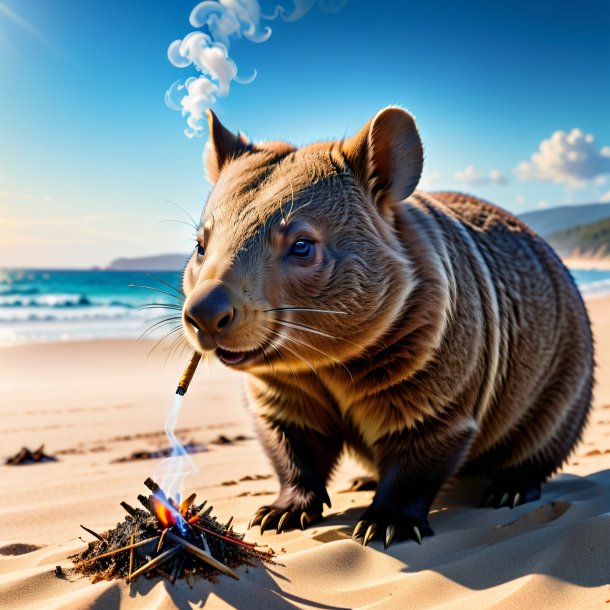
pixel 167 538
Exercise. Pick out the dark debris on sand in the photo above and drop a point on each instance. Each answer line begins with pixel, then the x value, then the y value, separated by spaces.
pixel 25 456
pixel 195 545
pixel 190 447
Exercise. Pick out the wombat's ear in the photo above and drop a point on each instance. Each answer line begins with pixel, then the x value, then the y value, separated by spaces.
pixel 221 147
pixel 386 156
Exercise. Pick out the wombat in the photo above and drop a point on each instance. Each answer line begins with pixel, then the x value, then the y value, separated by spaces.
pixel 430 334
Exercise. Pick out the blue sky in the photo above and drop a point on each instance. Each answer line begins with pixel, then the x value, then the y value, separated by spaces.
pixel 90 155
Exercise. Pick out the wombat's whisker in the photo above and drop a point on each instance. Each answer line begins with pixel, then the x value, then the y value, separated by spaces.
pixel 299 356
pixel 160 306
pixel 316 350
pixel 307 345
pixel 169 294
pixel 157 324
pixel 342 313
pixel 315 331
pixel 176 290
pixel 304 327
pixel 195 224
pixel 171 332
pixel 296 381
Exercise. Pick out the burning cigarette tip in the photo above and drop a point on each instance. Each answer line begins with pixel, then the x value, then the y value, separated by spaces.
pixel 187 376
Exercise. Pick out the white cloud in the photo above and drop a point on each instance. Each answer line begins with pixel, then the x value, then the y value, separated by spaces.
pixel 520 200
pixel 568 158
pixel 605 197
pixel 543 205
pixel 471 175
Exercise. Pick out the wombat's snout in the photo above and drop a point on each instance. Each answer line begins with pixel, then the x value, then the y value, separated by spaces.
pixel 209 309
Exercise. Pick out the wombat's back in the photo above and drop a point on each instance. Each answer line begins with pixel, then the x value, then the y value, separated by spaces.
pixel 539 352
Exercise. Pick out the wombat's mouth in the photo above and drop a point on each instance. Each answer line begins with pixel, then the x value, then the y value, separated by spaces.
pixel 231 358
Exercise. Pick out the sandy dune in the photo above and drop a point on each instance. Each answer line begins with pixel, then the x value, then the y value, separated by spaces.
pixel 98 402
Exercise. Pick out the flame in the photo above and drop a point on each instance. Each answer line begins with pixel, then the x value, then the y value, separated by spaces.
pixel 164 513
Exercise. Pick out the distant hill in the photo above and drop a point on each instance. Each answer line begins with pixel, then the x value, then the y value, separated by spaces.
pixel 591 240
pixel 548 221
pixel 160 262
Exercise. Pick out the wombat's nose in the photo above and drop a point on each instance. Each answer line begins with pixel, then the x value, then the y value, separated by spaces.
pixel 209 307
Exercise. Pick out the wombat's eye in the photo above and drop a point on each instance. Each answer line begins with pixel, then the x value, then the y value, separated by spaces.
pixel 200 250
pixel 302 248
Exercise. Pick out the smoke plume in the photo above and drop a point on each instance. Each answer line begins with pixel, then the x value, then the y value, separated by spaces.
pixel 207 51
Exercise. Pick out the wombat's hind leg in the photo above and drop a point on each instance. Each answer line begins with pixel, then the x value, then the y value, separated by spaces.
pixel 498 495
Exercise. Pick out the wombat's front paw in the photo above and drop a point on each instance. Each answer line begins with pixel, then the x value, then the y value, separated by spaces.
pixel 288 512
pixel 283 518
pixel 396 523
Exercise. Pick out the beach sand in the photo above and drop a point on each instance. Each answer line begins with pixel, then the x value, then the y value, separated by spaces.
pixel 92 403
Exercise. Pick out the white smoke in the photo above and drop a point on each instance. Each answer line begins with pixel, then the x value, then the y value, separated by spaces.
pixel 208 51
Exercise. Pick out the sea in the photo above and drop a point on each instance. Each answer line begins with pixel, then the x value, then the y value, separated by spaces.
pixel 38 305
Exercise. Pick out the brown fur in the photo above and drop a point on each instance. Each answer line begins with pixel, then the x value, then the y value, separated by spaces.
pixel 465 346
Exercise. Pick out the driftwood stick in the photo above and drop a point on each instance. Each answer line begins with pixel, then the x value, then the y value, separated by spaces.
pixel 98 536
pixel 159 559
pixel 161 538
pixel 201 554
pixel 135 545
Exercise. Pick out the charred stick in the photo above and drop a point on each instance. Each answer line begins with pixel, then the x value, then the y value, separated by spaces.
pixel 146 503
pixel 201 554
pixel 199 514
pixel 152 485
pixel 130 509
pixel 98 536
pixel 153 563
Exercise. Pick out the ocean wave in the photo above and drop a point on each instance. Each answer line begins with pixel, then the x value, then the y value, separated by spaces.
pixel 67 314
pixel 55 301
pixel 597 286
pixel 11 290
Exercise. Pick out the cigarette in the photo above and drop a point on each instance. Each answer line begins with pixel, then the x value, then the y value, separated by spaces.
pixel 187 376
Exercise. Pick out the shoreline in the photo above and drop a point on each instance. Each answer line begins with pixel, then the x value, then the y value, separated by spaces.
pixel 587 264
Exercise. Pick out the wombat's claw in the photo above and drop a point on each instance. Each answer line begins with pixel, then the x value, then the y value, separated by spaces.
pixel 389 536
pixel 497 498
pixel 269 517
pixel 370 534
pixel 258 517
pixel 364 532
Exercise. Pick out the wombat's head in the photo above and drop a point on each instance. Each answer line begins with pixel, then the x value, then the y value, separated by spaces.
pixel 297 263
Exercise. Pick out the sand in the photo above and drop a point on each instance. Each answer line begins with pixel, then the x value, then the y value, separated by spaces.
pixel 599 263
pixel 93 403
